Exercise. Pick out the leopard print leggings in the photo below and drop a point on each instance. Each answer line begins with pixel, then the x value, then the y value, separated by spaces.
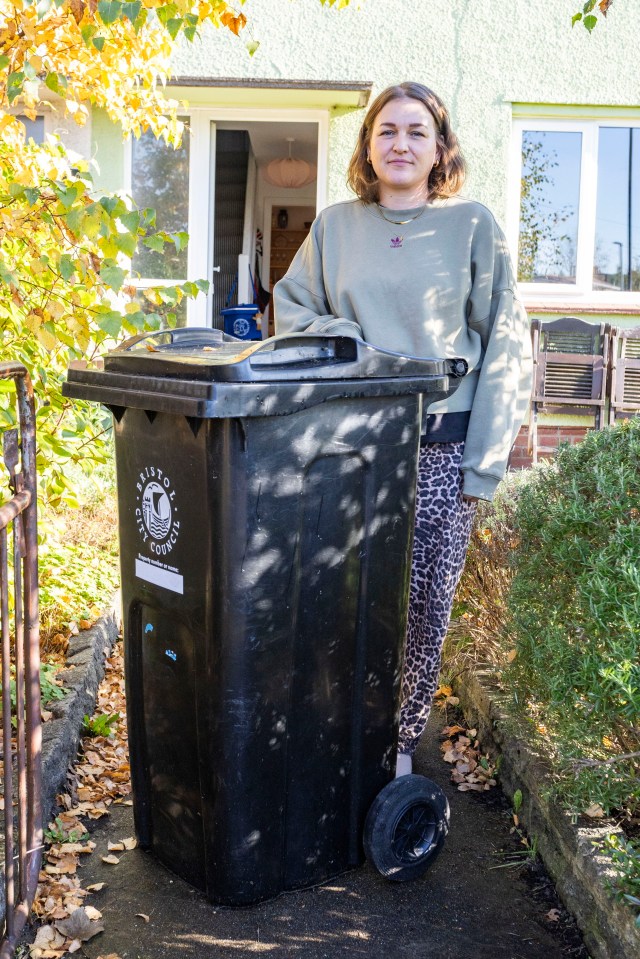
pixel 442 531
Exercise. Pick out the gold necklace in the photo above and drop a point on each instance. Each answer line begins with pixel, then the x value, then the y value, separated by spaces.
pixel 401 222
pixel 397 240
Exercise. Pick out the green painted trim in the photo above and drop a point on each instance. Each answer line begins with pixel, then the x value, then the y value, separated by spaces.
pixel 574 111
pixel 277 96
pixel 626 321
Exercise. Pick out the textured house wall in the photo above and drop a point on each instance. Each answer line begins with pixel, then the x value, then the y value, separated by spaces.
pixel 479 56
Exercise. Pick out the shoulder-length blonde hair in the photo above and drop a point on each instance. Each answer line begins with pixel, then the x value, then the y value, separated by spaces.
pixel 446 177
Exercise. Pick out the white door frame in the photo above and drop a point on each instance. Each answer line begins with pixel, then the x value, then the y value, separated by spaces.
pixel 202 183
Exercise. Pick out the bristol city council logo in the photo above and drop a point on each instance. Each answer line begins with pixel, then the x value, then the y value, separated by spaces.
pixel 156 511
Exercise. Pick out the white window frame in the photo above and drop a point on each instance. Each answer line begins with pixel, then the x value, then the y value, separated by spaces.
pixel 580 293
pixel 201 188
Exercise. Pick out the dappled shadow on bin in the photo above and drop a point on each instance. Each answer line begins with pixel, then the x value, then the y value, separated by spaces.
pixel 266 514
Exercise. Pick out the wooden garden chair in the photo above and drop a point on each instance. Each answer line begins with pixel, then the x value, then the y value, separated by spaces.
pixel 625 374
pixel 571 358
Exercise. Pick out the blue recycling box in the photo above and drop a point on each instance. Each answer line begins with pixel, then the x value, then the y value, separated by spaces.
pixel 240 321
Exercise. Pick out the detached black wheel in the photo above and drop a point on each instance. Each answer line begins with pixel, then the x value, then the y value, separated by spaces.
pixel 406 827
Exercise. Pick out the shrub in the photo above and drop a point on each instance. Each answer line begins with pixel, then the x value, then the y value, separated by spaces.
pixel 552 576
pixel 626 884
pixel 574 610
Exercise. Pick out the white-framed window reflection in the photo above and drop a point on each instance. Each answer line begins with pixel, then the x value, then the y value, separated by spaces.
pixel 574 217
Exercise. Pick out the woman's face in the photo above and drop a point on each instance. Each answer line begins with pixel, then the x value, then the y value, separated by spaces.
pixel 402 150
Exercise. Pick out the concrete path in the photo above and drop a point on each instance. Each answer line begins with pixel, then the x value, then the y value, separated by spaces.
pixel 463 908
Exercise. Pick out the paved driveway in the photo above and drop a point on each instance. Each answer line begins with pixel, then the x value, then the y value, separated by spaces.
pixel 463 908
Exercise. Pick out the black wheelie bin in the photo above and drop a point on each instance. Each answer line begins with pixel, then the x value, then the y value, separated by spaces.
pixel 266 503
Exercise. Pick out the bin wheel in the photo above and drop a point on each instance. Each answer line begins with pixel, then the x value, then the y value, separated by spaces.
pixel 406 827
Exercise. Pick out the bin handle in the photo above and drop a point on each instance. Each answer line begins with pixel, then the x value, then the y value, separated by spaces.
pixel 196 336
pixel 295 349
pixel 308 349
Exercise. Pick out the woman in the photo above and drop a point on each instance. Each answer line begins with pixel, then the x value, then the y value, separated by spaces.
pixel 413 267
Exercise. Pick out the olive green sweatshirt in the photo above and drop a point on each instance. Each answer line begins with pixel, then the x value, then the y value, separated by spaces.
pixel 441 285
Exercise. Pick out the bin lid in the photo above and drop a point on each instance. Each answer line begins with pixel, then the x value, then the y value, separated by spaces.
pixel 202 364
pixel 203 353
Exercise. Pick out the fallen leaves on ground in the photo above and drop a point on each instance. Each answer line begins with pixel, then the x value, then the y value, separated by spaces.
pixel 129 843
pixel 111 860
pixel 67 935
pixel 48 944
pixel 444 697
pixel 100 777
pixel 83 923
pixel 472 771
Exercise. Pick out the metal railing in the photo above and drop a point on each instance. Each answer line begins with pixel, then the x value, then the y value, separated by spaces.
pixel 20 654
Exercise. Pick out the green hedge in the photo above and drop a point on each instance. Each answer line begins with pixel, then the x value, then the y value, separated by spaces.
pixel 573 610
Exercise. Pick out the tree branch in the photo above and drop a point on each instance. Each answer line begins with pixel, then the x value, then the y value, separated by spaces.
pixel 605 762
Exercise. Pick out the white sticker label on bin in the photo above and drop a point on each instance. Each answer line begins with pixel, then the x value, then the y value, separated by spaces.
pixel 158 574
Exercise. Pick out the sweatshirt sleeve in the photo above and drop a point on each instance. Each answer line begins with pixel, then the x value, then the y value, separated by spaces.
pixel 300 300
pixel 504 385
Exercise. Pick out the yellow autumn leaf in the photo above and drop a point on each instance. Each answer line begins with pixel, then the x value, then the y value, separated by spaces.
pixel 32 322
pixel 6 120
pixel 24 177
pixel 47 338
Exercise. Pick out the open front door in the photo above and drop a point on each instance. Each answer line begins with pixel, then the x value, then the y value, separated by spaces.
pixel 179 185
pixel 202 215
pixel 213 188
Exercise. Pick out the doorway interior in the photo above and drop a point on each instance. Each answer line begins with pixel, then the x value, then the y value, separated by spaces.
pixel 213 188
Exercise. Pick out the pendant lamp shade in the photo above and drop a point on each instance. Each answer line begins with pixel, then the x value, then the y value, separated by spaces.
pixel 288 172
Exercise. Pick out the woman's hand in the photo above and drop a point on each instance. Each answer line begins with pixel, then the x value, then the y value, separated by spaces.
pixel 470 499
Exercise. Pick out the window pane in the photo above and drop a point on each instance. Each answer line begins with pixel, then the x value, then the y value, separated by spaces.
pixel 160 180
pixel 34 129
pixel 616 261
pixel 550 190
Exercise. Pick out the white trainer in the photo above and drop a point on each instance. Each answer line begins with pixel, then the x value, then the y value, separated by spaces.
pixel 404 765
